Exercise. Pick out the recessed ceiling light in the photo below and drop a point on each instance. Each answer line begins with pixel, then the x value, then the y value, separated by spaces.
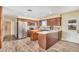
pixel 29 10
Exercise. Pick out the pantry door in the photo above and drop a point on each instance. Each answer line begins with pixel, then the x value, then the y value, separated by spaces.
pixel 0 25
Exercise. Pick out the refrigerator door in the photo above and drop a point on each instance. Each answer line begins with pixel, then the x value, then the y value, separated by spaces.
pixel 22 29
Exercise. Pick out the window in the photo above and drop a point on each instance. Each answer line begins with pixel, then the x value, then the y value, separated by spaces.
pixel 44 23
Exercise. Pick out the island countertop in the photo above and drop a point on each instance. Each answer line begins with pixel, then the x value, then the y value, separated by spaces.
pixel 47 32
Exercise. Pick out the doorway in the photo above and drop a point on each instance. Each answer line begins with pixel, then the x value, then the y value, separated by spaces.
pixel 8 30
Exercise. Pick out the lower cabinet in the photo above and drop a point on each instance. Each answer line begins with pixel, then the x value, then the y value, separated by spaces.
pixel 34 35
pixel 47 40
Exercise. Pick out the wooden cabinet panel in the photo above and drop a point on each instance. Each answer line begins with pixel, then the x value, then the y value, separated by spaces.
pixel 0 25
pixel 47 40
pixel 32 23
pixel 34 35
pixel 52 38
pixel 54 21
pixel 42 41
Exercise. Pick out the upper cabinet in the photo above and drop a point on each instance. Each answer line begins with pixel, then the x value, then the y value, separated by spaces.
pixel 32 23
pixel 54 21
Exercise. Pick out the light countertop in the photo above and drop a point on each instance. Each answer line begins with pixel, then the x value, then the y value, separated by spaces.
pixel 46 32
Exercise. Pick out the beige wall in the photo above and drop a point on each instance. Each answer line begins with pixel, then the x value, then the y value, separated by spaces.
pixel 70 35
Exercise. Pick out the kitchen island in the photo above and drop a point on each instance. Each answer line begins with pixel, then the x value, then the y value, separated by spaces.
pixel 48 38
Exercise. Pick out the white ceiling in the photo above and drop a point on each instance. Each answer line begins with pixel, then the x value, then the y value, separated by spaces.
pixel 37 11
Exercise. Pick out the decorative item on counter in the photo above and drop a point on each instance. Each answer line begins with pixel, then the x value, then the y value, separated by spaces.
pixel 51 27
pixel 45 28
pixel 57 27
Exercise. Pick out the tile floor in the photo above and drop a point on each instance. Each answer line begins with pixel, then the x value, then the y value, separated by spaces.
pixel 26 45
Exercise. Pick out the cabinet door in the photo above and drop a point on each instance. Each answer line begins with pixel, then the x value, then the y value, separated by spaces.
pixel 0 25
pixel 20 29
pixel 54 21
pixel 42 40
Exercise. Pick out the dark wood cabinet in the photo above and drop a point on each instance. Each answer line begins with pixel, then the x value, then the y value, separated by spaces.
pixel 47 40
pixel 34 35
pixel 28 33
pixel 54 21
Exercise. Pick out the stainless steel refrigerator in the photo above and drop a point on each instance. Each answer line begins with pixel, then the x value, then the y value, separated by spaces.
pixel 21 29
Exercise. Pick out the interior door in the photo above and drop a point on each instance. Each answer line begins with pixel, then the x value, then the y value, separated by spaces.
pixel 8 28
